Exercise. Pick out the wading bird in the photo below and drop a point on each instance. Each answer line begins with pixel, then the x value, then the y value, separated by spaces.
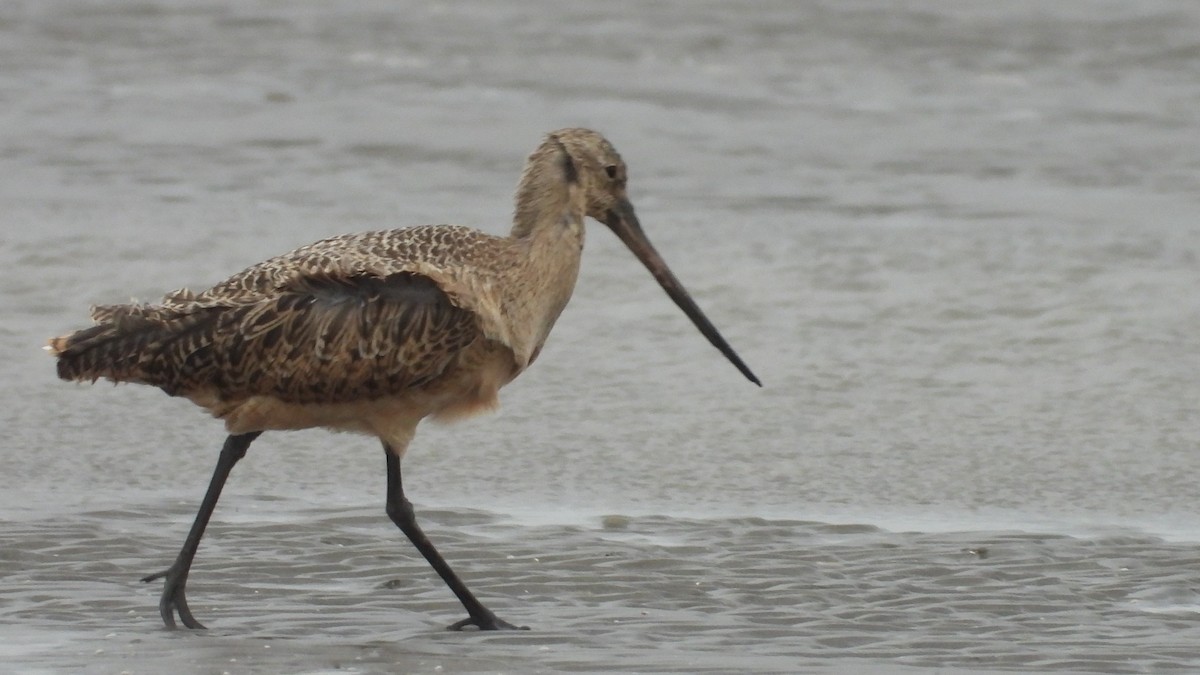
pixel 373 332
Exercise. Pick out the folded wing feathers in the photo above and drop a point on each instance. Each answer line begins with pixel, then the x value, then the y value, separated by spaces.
pixel 301 327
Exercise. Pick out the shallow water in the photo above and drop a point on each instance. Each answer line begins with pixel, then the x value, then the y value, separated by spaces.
pixel 288 587
pixel 958 244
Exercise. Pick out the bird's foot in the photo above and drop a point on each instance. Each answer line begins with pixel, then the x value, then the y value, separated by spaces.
pixel 174 597
pixel 485 621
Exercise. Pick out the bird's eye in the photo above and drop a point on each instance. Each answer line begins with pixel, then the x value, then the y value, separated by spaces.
pixel 611 170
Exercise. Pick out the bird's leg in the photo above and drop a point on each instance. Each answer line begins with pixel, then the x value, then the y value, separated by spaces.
pixel 400 510
pixel 173 596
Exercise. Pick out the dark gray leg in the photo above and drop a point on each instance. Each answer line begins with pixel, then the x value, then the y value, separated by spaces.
pixel 174 598
pixel 400 510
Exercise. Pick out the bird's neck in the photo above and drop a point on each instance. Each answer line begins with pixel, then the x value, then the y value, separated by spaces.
pixel 548 232
pixel 551 257
pixel 548 223
pixel 549 187
pixel 540 206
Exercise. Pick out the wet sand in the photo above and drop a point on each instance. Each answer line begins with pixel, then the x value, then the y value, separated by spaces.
pixel 286 587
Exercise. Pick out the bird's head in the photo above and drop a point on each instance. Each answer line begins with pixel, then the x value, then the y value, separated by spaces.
pixel 581 164
pixel 599 170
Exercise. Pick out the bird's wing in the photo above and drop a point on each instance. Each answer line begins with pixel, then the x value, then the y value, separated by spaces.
pixel 463 262
pixel 356 316
pixel 320 338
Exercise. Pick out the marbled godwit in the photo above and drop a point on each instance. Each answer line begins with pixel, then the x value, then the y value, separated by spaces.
pixel 373 332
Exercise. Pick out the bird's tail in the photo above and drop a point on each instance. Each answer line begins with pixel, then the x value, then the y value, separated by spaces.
pixel 125 345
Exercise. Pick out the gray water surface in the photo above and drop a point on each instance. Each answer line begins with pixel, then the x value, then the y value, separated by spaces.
pixel 957 241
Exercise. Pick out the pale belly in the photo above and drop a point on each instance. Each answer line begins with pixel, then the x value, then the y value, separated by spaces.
pixel 469 388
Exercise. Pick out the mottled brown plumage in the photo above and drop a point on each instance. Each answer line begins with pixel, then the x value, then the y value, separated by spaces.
pixel 334 322
pixel 373 332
